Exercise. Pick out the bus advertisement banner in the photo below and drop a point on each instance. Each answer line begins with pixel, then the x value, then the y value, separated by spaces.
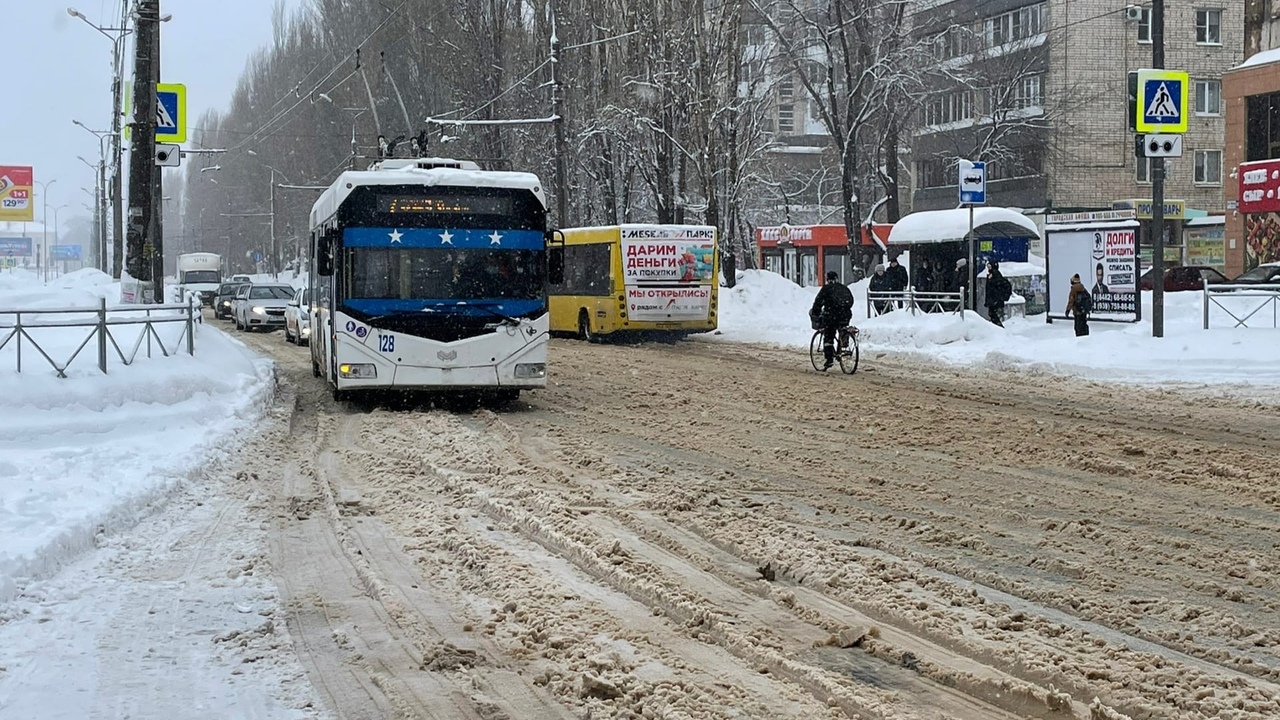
pixel 668 260
pixel 660 304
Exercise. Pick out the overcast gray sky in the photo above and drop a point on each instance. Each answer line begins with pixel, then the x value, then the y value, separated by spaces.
pixel 57 68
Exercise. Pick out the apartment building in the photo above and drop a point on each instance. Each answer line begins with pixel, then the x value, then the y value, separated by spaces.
pixel 1038 89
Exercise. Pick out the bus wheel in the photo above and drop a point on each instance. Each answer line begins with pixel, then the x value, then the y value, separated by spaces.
pixel 584 327
pixel 340 395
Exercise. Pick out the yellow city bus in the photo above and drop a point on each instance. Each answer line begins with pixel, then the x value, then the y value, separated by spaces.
pixel 637 279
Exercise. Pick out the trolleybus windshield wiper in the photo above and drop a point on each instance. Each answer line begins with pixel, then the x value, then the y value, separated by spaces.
pixel 397 313
pixel 506 319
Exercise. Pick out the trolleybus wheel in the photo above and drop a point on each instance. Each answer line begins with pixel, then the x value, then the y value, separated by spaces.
pixel 584 326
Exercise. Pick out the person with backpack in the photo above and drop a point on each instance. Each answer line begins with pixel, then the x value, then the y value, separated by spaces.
pixel 999 290
pixel 1079 305
pixel 831 312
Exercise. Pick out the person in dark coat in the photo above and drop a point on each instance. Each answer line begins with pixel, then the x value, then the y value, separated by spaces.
pixel 1079 304
pixel 881 283
pixel 999 290
pixel 831 312
pixel 897 276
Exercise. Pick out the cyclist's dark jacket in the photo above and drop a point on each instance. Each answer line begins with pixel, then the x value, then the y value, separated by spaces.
pixel 834 304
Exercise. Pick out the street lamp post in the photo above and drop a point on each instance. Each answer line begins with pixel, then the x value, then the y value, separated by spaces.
pixel 44 222
pixel 49 248
pixel 117 89
pixel 99 212
pixel 102 136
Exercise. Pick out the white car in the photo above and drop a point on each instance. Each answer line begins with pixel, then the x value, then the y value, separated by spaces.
pixel 297 318
pixel 261 305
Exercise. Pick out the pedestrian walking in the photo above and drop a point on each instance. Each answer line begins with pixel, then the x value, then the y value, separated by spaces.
pixel 999 290
pixel 1079 305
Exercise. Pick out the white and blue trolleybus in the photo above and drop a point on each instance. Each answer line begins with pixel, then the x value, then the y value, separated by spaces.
pixel 430 274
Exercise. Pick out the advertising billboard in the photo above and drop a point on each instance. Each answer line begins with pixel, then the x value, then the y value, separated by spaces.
pixel 64 252
pixel 1106 259
pixel 1259 187
pixel 15 247
pixel 16 182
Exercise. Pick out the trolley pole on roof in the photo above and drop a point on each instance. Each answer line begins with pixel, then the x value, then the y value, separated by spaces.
pixel 557 110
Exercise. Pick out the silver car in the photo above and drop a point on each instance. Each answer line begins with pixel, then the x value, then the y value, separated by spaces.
pixel 261 305
pixel 297 319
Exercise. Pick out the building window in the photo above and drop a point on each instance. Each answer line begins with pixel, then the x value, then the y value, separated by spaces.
pixel 1208 167
pixel 1144 25
pixel 936 172
pixel 1029 93
pixel 1209 27
pixel 786 107
pixel 948 107
pixel 1020 24
pixel 1208 97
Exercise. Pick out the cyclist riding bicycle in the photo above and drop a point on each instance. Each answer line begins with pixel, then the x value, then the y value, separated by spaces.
pixel 831 312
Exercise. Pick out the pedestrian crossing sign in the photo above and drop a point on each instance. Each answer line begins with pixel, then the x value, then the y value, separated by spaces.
pixel 1162 101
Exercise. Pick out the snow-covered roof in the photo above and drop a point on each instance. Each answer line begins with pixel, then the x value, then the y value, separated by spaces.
pixel 1262 58
pixel 937 226
pixel 467 176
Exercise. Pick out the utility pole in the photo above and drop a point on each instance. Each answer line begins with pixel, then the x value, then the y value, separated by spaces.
pixel 157 172
pixel 557 109
pixel 117 181
pixel 1157 187
pixel 275 251
pixel 142 151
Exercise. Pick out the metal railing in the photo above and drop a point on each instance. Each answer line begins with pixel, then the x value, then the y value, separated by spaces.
pixel 16 327
pixel 879 303
pixel 1269 295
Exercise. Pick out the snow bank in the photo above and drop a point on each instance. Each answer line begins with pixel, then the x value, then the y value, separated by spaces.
pixel 89 455
pixel 767 308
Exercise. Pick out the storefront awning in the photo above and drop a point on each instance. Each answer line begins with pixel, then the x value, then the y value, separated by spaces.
pixel 939 226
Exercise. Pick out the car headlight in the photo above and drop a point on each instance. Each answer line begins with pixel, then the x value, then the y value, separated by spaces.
pixel 226 303
pixel 360 371
pixel 306 329
pixel 259 311
pixel 531 370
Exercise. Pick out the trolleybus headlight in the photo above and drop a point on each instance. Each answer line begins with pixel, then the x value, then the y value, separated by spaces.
pixel 360 371
pixel 259 311
pixel 531 370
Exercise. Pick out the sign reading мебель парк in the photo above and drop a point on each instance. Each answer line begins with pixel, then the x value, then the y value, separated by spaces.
pixel 1105 257
pixel 668 271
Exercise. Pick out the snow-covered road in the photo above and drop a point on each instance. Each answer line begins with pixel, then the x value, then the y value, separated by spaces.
pixel 707 529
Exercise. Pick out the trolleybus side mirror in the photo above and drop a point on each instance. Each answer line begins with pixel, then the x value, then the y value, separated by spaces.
pixel 324 253
pixel 555 257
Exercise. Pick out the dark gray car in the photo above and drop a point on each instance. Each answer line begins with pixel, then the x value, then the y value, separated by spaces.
pixel 222 299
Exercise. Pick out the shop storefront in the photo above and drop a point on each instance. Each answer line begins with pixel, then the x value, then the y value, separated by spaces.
pixel 805 253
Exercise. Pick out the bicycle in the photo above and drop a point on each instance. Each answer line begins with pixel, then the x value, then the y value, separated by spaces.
pixel 846 350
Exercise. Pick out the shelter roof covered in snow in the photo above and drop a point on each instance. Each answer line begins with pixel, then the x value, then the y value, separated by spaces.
pixel 938 226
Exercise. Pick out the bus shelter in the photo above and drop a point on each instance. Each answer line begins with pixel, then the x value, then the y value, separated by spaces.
pixel 937 239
